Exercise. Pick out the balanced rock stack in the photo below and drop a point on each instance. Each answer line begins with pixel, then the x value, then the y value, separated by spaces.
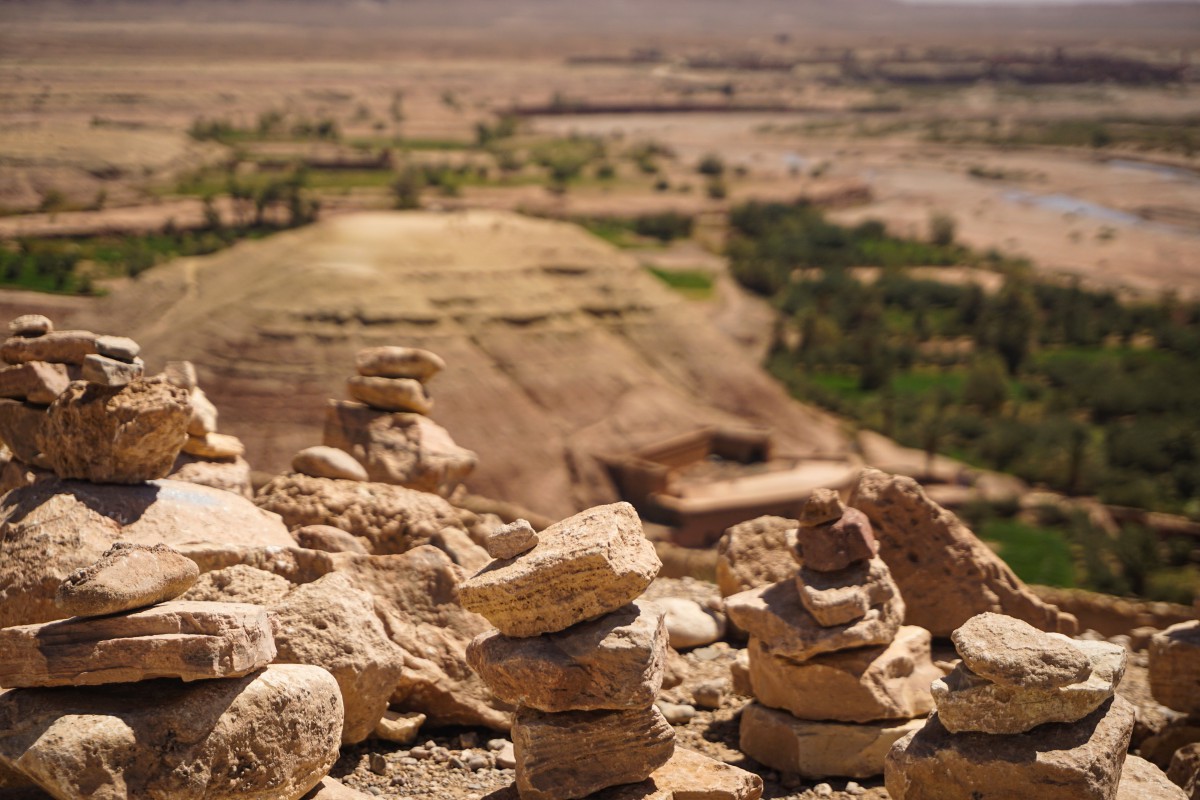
pixel 384 435
pixel 1025 714
pixel 209 458
pixel 836 677
pixel 140 694
pixel 582 661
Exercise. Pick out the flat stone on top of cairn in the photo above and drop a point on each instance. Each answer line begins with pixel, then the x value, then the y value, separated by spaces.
pixel 128 576
pixel 391 394
pixel 509 541
pixel 1012 652
pixel 582 567
pixel 30 325
pixel 398 362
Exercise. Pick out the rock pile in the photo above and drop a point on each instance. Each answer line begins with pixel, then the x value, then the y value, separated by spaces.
pixel 384 434
pixel 141 694
pixel 581 659
pixel 1025 714
pixel 209 458
pixel 836 677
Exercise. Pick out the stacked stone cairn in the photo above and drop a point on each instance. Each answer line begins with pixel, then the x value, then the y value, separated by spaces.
pixel 1025 714
pixel 142 695
pixel 384 434
pixel 836 678
pixel 208 458
pixel 580 657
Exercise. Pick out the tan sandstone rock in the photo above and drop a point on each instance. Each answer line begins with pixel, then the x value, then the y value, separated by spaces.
pixel 818 749
pixel 1014 653
pixel 615 662
pixel 125 434
pixel 37 382
pixel 330 624
pixel 240 584
pixel 575 753
pixel 227 474
pixel 408 450
pixel 945 574
pixel 756 553
pixel 690 776
pixel 398 362
pixel 400 727
pixel 822 507
pixel 329 539
pixel 271 735
pixel 689 624
pixel 393 519
pixel 1175 667
pixel 214 445
pixel 120 348
pixel 181 374
pixel 968 702
pixel 1184 771
pixel 333 789
pixel 21 427
pixel 859 685
pixel 509 541
pixel 583 567
pixel 52 528
pixel 1141 780
pixel 835 598
pixel 833 546
pixel 191 641
pixel 775 614
pixel 204 412
pixel 127 576
pixel 328 462
pixel 1072 761
pixel 30 325
pixel 391 394
pixel 59 347
pixel 110 371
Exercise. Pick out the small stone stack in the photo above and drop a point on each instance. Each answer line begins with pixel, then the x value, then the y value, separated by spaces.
pixel 582 661
pixel 102 699
pixel 836 677
pixel 209 458
pixel 384 434
pixel 1025 714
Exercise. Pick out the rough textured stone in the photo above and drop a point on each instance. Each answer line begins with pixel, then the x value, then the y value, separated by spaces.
pixel 968 702
pixel 400 727
pixel 572 754
pixel 615 662
pixel 836 545
pixel 121 348
pixel 30 325
pixel 34 381
pixel 110 371
pixel 458 544
pixel 690 776
pixel 59 347
pixel 398 362
pixel 689 624
pixel 822 507
pixel 1184 771
pixel 393 519
pixel 860 685
pixel 105 434
pixel 329 539
pixel 583 567
pixel 945 574
pixel 328 462
pixel 1074 761
pixel 181 374
pixel 52 528
pixel 1141 780
pixel 204 413
pixel 1175 667
pixel 756 553
pixel 214 446
pixel 227 474
pixel 271 735
pixel 330 624
pixel 21 427
pixel 835 598
pixel 1014 653
pixel 240 584
pixel 509 541
pixel 127 576
pixel 192 641
pixel 408 450
pixel 391 394
pixel 818 749
pixel 774 614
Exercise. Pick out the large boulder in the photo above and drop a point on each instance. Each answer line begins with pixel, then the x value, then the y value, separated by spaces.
pixel 116 434
pixel 53 527
pixel 406 449
pixel 271 735
pixel 393 519
pixel 330 624
pixel 945 573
